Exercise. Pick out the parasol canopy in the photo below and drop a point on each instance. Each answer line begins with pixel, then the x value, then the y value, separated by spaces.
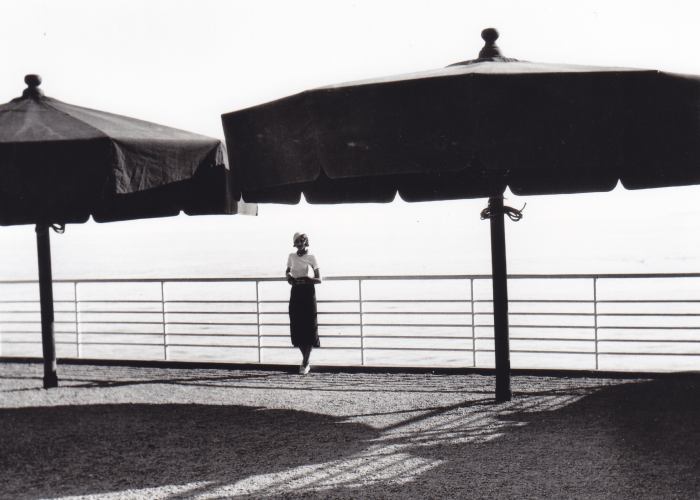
pixel 61 163
pixel 470 130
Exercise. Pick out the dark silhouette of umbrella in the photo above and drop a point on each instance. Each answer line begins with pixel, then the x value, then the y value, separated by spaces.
pixel 61 163
pixel 469 130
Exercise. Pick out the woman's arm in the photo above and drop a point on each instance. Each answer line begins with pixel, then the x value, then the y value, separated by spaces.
pixel 288 275
pixel 317 277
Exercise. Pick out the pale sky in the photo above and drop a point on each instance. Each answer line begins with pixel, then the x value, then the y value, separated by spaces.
pixel 184 63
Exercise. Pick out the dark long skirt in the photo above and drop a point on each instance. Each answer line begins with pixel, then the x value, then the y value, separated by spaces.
pixel 303 324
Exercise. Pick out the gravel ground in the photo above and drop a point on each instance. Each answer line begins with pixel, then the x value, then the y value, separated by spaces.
pixel 115 432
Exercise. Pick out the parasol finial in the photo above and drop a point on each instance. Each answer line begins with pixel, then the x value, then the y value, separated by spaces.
pixel 32 90
pixel 489 35
pixel 490 52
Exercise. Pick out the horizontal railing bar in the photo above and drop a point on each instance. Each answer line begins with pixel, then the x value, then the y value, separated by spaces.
pixel 32 332
pixel 159 312
pixel 33 301
pixel 631 341
pixel 649 301
pixel 92 322
pixel 320 301
pixel 220 311
pixel 228 335
pixel 34 311
pixel 29 342
pixel 690 315
pixel 158 334
pixel 29 322
pixel 600 327
pixel 209 323
pixel 159 343
pixel 553 301
pixel 610 353
pixel 553 351
pixel 285 313
pixel 368 313
pixel 366 278
pixel 441 349
pixel 648 327
pixel 422 325
pixel 512 313
pixel 543 326
pixel 599 301
pixel 222 301
pixel 334 325
pixel 592 353
pixel 413 301
pixel 382 348
pixel 116 332
pixel 400 325
pixel 238 346
pixel 541 339
pixel 118 301
pixel 416 337
pixel 523 351
pixel 364 301
pixel 396 313
pixel 253 334
pixel 118 311
pixel 388 337
pixel 324 348
pixel 660 341
pixel 370 336
pixel 89 332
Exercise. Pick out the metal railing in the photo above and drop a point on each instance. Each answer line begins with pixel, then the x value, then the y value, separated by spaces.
pixel 639 322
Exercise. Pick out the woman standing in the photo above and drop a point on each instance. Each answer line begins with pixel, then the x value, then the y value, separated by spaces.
pixel 303 323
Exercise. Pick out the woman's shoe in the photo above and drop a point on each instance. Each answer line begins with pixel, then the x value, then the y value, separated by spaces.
pixel 306 369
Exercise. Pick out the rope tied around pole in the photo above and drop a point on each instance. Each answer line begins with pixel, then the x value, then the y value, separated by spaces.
pixel 513 213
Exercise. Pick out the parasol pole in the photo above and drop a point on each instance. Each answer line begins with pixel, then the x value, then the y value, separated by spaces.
pixel 48 343
pixel 499 278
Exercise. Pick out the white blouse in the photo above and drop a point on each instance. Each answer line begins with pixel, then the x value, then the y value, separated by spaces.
pixel 299 266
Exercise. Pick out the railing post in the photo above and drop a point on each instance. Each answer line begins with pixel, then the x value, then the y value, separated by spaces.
pixel 595 318
pixel 162 313
pixel 257 318
pixel 75 309
pixel 471 299
pixel 362 333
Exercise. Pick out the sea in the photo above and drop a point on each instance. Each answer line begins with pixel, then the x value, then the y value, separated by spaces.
pixel 193 293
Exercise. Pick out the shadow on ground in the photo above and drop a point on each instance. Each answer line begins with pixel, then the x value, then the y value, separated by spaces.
pixel 558 439
pixel 633 440
pixel 93 449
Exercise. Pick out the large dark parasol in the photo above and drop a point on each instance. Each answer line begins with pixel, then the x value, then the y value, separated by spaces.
pixel 468 131
pixel 61 163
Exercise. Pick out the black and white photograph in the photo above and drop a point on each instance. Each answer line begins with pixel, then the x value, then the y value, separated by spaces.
pixel 349 249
